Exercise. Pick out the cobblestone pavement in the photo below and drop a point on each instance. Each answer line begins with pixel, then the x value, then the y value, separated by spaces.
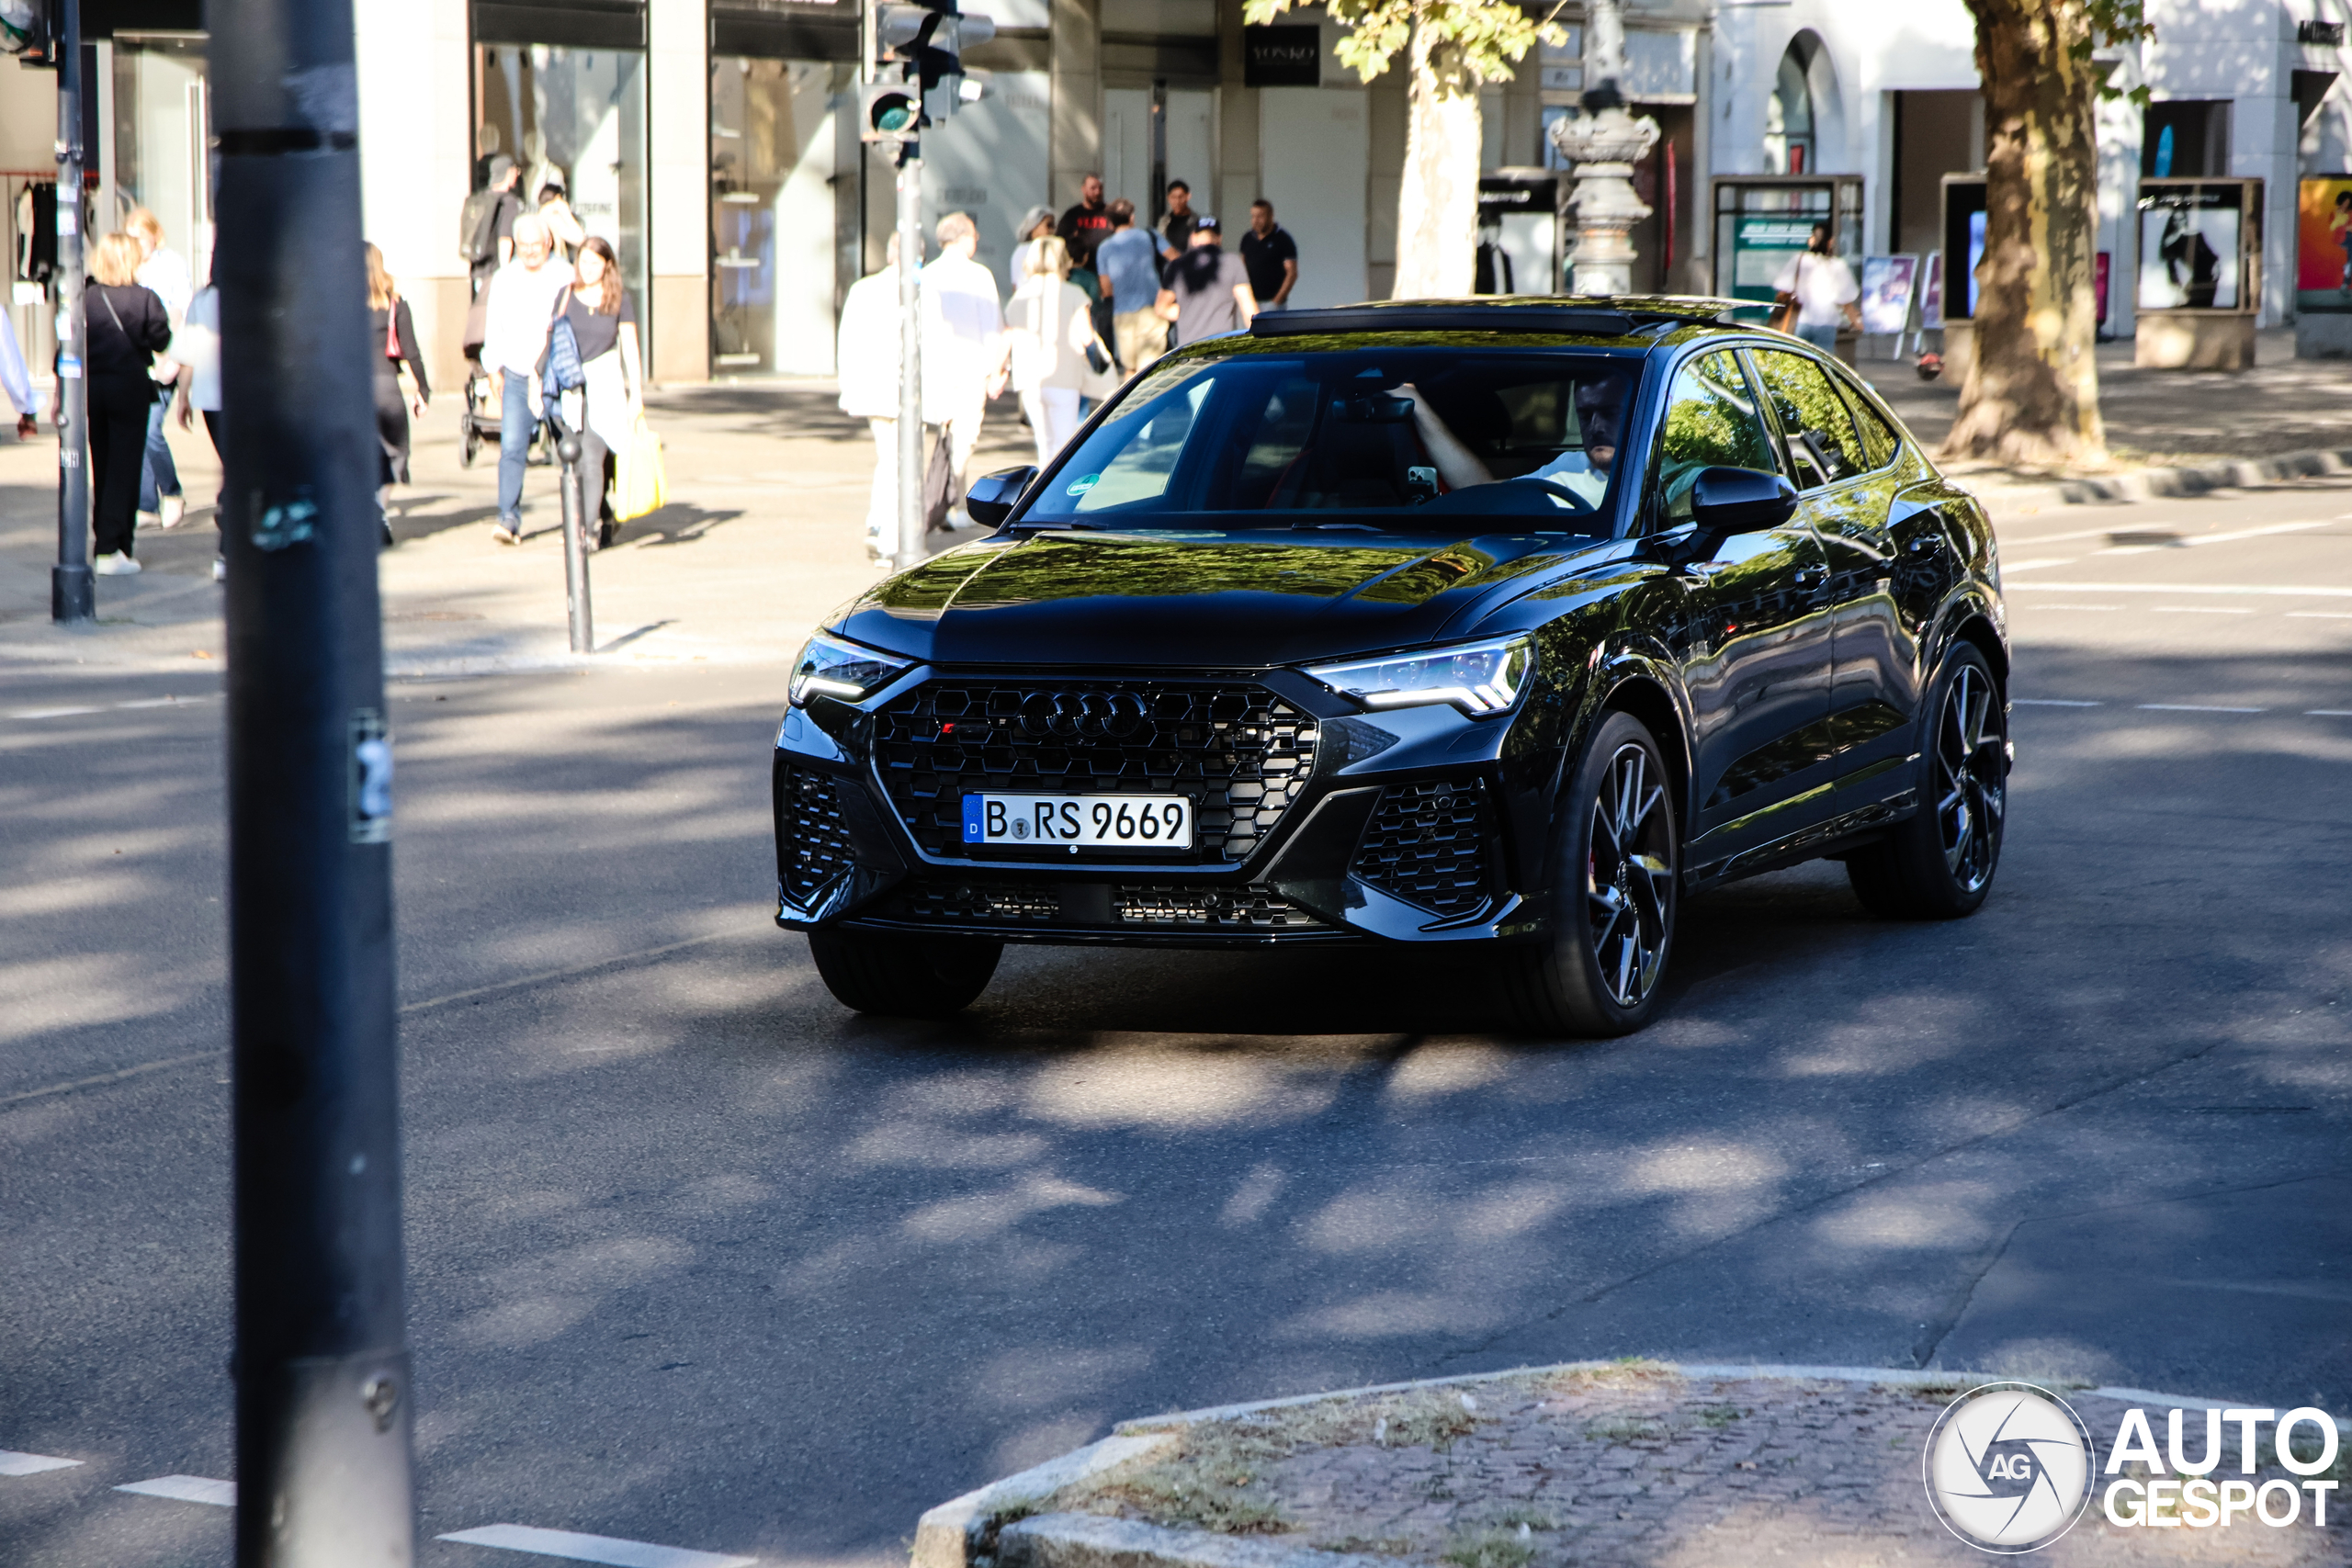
pixel 1636 1465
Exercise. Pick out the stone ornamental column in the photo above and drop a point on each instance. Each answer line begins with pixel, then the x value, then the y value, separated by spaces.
pixel 1604 141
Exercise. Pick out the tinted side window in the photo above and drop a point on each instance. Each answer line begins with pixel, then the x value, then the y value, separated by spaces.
pixel 1879 441
pixel 1813 416
pixel 1711 420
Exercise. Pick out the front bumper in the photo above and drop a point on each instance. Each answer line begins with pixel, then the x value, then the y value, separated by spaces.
pixel 1328 825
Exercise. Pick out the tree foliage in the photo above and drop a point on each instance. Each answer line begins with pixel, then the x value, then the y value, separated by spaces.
pixel 1471 41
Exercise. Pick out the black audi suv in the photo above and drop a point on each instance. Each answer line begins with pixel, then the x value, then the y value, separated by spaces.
pixel 1501 625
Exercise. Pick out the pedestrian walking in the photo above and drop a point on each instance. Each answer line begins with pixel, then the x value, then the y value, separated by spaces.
pixel 1035 224
pixel 1087 223
pixel 523 300
pixel 1128 263
pixel 603 325
pixel 963 358
pixel 1207 288
pixel 486 241
pixel 1269 256
pixel 17 382
pixel 868 352
pixel 198 346
pixel 566 233
pixel 1049 331
pixel 124 327
pixel 164 271
pixel 1176 229
pixel 392 332
pixel 1819 289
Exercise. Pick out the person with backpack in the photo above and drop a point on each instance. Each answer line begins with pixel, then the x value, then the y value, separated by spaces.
pixel 486 241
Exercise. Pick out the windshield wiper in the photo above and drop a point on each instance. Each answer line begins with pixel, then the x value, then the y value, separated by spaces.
pixel 1359 527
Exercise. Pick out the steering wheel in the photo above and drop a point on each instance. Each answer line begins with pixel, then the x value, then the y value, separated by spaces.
pixel 1507 496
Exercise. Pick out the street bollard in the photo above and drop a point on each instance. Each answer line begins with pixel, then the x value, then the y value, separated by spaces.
pixel 575 542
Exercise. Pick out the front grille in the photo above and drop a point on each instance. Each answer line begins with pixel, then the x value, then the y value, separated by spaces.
pixel 1428 844
pixel 961 904
pixel 815 844
pixel 1241 752
pixel 1211 909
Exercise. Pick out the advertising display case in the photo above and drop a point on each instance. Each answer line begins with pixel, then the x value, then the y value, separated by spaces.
pixel 1762 223
pixel 1955 284
pixel 2200 281
pixel 2324 268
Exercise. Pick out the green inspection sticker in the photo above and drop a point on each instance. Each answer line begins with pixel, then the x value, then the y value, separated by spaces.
pixel 1079 487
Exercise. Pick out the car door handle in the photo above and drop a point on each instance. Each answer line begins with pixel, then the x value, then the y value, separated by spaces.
pixel 1923 545
pixel 1812 576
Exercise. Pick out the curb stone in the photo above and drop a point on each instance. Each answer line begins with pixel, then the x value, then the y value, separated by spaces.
pixel 2150 484
pixel 990 1528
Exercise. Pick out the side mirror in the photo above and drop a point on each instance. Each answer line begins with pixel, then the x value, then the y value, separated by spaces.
pixel 1724 501
pixel 991 499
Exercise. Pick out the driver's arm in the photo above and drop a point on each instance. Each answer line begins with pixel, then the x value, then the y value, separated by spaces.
pixel 1458 466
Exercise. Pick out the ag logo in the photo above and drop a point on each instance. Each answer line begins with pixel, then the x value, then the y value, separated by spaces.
pixel 2008 1467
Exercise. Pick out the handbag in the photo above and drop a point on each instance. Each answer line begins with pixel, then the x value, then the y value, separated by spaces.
pixel 938 484
pixel 1785 306
pixel 642 485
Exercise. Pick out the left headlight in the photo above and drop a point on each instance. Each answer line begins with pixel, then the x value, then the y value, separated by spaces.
pixel 829 667
pixel 1482 679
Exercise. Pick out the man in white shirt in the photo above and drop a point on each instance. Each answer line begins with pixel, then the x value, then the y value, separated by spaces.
pixel 964 345
pixel 523 296
pixel 1582 469
pixel 1823 289
pixel 868 354
pixel 165 271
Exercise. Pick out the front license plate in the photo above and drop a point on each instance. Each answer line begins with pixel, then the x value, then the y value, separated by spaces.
pixel 1084 821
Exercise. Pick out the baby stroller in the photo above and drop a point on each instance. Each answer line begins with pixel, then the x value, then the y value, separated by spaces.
pixel 480 417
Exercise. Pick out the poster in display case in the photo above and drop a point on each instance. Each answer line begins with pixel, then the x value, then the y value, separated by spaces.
pixel 2194 239
pixel 2323 245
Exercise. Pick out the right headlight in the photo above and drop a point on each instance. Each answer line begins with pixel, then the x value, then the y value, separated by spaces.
pixel 1482 679
pixel 827 667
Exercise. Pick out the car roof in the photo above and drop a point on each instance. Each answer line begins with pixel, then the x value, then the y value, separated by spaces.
pixel 1644 319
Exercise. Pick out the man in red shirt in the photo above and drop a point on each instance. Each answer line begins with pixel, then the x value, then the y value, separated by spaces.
pixel 1086 225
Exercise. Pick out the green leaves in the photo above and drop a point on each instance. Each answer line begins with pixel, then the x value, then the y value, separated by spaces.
pixel 1470 43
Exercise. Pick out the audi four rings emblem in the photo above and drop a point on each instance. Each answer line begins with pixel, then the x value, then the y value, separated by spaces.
pixel 2008 1467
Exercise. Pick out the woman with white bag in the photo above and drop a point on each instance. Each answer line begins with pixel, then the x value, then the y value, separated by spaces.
pixel 1052 334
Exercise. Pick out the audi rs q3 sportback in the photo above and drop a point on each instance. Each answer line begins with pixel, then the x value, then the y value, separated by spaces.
pixel 1502 625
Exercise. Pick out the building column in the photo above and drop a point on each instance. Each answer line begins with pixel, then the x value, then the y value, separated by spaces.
pixel 1237 121
pixel 677 188
pixel 1075 62
pixel 415 150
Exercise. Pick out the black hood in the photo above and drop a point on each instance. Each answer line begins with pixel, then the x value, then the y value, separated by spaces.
pixel 1245 599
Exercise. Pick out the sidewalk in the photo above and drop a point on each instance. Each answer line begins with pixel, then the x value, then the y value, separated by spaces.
pixel 1637 1462
pixel 763 536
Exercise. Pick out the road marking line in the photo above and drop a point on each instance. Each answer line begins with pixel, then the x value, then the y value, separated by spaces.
pixel 2101 608
pixel 144 1067
pixel 2318 614
pixel 2315 592
pixel 592 1548
pixel 2193 707
pixel 187 1489
pixel 52 713
pixel 14 1463
pixel 559 974
pixel 2327 712
pixel 2009 565
pixel 2203 610
pixel 2050 702
pixel 2190 540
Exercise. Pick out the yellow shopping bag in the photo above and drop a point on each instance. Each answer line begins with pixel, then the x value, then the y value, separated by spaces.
pixel 642 485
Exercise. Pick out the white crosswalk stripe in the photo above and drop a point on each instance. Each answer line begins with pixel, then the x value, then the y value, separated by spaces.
pixel 593 1548
pixel 187 1489
pixel 14 1463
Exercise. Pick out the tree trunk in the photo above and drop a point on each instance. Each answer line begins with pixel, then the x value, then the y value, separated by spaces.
pixel 1437 211
pixel 2032 396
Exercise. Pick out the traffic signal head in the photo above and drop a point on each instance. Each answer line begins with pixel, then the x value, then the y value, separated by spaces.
pixel 893 112
pixel 28 31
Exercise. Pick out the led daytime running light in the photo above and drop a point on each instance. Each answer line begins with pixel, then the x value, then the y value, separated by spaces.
pixel 830 667
pixel 1481 679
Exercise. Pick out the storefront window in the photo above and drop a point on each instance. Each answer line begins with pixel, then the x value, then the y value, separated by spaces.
pixel 574 118
pixel 777 182
pixel 160 139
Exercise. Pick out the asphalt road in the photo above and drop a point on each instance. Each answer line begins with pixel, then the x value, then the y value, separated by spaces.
pixel 698 1259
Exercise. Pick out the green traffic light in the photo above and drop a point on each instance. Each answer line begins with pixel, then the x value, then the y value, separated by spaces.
pixel 894 115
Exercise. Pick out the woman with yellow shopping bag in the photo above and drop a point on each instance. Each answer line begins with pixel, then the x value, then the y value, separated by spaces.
pixel 604 323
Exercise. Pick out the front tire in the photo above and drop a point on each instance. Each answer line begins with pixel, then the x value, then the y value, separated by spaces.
pixel 903 977
pixel 1616 890
pixel 1938 864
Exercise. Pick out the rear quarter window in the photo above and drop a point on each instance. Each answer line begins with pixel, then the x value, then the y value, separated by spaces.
pixel 1879 440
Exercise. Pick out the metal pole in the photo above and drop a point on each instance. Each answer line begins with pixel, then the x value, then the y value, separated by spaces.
pixel 323 1402
pixel 911 513
pixel 73 598
pixel 575 543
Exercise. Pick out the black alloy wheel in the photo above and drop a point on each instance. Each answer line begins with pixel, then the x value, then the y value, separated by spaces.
pixel 903 977
pixel 1616 889
pixel 1938 864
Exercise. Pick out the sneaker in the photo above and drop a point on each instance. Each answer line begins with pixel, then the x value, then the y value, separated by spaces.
pixel 219 569
pixel 507 530
pixel 114 563
pixel 174 511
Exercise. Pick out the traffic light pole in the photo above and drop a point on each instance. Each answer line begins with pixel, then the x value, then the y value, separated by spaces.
pixel 910 470
pixel 72 597
pixel 322 1397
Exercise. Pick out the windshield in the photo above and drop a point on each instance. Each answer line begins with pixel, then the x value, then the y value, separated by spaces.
pixel 1422 433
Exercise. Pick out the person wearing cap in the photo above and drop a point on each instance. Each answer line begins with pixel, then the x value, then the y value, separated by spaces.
pixel 1035 224
pixel 1206 289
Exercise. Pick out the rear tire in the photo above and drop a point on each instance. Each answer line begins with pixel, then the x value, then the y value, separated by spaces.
pixel 1617 872
pixel 1938 864
pixel 903 977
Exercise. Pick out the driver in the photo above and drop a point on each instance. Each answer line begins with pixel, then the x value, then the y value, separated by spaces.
pixel 1583 471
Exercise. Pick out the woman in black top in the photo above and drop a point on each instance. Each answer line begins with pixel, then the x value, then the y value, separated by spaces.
pixel 124 327
pixel 393 334
pixel 604 323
